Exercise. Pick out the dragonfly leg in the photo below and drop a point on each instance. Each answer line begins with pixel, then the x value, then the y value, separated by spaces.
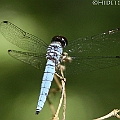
pixel 65 57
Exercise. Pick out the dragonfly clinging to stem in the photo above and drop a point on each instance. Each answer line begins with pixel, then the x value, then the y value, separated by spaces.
pixel 85 53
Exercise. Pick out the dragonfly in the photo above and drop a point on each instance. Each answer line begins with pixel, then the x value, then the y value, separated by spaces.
pixel 87 54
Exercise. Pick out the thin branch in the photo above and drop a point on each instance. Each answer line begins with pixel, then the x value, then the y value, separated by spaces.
pixel 111 114
pixel 64 105
pixel 63 95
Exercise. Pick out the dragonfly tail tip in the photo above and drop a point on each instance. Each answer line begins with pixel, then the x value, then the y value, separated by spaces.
pixel 37 112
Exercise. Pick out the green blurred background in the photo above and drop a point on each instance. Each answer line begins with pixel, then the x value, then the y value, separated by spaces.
pixel 89 95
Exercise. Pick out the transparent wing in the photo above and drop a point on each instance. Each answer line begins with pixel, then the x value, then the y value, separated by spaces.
pixel 96 52
pixel 85 64
pixel 34 59
pixel 95 44
pixel 22 39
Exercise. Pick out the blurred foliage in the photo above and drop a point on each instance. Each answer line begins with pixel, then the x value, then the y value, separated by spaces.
pixel 88 95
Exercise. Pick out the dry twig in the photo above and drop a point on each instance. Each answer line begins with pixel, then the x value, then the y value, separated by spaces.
pixel 111 114
pixel 63 95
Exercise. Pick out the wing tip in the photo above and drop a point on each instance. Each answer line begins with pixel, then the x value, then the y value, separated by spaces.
pixel 5 21
pixel 117 56
pixel 9 50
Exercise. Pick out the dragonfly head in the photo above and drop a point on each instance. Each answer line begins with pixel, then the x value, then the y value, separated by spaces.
pixel 60 39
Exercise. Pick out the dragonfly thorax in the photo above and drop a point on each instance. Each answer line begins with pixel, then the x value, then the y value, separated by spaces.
pixel 54 52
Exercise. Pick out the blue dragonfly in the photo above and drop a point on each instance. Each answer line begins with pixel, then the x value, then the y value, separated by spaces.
pixel 87 54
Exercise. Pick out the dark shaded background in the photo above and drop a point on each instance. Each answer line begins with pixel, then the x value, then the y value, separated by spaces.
pixel 89 95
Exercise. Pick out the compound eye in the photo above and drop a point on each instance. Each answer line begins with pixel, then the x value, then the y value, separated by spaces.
pixel 60 39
